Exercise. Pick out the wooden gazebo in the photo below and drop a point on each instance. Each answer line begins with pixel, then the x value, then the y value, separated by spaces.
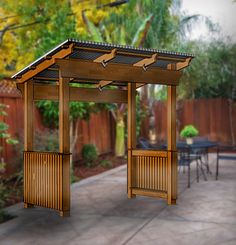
pixel 150 172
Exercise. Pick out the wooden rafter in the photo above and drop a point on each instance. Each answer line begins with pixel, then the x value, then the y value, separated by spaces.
pixel 179 65
pixel 34 70
pixel 117 72
pixel 124 53
pixel 139 85
pixel 105 58
pixel 102 84
pixel 146 62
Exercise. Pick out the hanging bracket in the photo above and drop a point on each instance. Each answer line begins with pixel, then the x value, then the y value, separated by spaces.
pixel 180 65
pixel 146 62
pixel 102 84
pixel 105 58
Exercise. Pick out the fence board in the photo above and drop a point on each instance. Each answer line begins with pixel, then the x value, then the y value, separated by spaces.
pixel 210 116
pixel 96 131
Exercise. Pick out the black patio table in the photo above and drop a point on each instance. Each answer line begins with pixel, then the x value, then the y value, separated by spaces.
pixel 200 147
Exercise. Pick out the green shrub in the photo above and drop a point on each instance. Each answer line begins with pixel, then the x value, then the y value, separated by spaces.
pixel 189 131
pixel 106 163
pixel 89 154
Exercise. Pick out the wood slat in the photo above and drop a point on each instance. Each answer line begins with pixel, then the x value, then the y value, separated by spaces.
pixel 152 153
pixel 150 193
pixel 45 180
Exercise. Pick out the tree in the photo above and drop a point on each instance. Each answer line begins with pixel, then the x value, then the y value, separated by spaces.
pixel 101 34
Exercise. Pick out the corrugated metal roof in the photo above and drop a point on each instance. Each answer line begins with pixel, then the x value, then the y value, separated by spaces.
pixel 91 55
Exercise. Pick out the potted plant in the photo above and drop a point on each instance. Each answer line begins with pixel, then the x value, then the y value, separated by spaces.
pixel 188 132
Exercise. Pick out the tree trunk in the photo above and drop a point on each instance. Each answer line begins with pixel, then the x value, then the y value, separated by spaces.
pixel 120 137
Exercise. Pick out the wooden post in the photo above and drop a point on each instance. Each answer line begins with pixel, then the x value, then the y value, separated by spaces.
pixel 131 134
pixel 29 115
pixel 171 144
pixel 28 126
pixel 64 142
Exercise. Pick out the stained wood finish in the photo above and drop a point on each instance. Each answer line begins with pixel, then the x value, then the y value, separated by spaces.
pixel 106 57
pixel 49 61
pixel 28 115
pixel 171 144
pixel 146 62
pixel 44 180
pixel 151 172
pixel 117 72
pixel 64 120
pixel 64 141
pixel 50 92
pixel 131 134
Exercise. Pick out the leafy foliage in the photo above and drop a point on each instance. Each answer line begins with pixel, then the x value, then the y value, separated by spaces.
pixel 106 163
pixel 212 73
pixel 4 134
pixel 89 154
pixel 189 131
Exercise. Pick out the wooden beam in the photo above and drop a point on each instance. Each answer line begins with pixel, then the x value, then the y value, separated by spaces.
pixel 117 72
pixel 146 62
pixel 45 64
pixel 50 92
pixel 28 116
pixel 106 57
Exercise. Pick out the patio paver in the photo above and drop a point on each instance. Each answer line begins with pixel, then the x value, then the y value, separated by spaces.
pixel 102 214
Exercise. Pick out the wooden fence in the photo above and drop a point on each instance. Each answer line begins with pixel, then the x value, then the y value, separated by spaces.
pixel 210 116
pixel 99 130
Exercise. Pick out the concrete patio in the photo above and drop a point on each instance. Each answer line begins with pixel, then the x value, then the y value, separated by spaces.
pixel 102 214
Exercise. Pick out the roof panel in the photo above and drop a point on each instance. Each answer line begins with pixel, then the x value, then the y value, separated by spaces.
pixel 88 50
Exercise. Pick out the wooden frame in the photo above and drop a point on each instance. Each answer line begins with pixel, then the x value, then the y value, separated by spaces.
pixel 150 172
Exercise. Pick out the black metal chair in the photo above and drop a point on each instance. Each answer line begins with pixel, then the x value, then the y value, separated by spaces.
pixel 221 155
pixel 185 158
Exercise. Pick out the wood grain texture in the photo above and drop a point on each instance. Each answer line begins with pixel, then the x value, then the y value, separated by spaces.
pixel 45 180
pixel 117 72
pixel 64 120
pixel 28 115
pixel 50 92
pixel 45 64
pixel 171 144
pixel 131 134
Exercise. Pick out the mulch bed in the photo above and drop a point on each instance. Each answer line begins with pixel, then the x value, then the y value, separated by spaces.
pixel 82 172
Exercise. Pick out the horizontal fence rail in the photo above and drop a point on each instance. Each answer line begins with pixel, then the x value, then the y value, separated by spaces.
pixel 43 179
pixel 150 173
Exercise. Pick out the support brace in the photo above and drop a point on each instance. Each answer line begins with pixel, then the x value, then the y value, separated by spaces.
pixel 104 59
pixel 102 84
pixel 180 65
pixel 146 62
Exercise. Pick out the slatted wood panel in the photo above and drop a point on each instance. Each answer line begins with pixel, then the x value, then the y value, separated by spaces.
pixel 150 173
pixel 43 179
